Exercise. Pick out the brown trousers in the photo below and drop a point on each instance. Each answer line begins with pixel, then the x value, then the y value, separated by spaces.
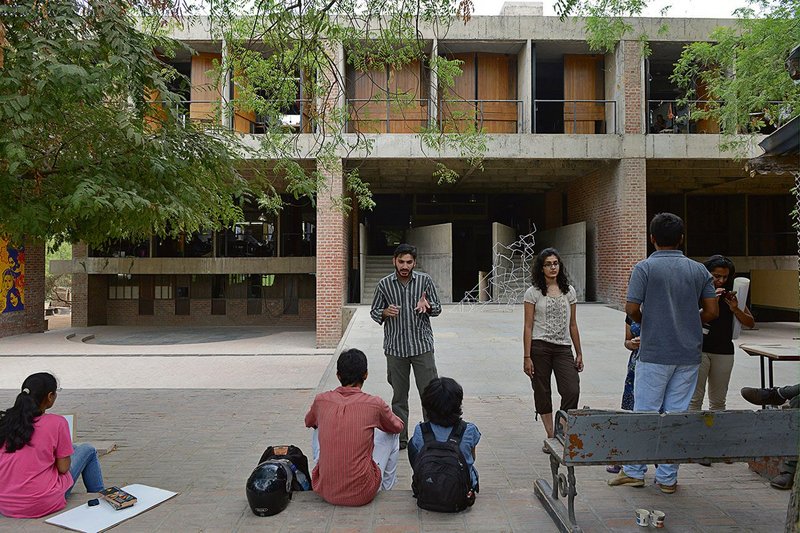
pixel 555 359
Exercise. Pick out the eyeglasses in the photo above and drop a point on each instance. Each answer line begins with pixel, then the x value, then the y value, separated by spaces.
pixel 554 264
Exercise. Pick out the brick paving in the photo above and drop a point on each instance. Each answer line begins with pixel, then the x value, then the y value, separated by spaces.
pixel 203 443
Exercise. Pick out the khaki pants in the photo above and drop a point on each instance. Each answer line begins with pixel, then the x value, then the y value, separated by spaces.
pixel 398 372
pixel 716 369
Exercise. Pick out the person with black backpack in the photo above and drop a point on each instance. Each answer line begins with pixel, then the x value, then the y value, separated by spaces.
pixel 442 451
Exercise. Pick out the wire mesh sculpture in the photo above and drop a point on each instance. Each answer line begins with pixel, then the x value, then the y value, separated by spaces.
pixel 509 278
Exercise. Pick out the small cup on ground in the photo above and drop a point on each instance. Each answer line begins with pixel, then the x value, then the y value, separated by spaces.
pixel 643 517
pixel 657 518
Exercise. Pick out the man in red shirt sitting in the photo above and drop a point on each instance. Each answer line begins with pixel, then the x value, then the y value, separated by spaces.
pixel 356 438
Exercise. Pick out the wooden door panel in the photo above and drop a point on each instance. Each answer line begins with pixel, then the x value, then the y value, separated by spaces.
pixel 583 81
pixel 205 90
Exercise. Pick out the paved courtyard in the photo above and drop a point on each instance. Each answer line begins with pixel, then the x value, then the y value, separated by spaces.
pixel 192 414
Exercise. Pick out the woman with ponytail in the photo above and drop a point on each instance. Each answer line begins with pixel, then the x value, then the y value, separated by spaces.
pixel 38 465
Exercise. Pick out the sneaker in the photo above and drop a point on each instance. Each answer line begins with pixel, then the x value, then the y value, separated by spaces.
pixel 763 396
pixel 782 481
pixel 403 445
pixel 667 489
pixel 624 479
pixel 613 469
pixel 704 463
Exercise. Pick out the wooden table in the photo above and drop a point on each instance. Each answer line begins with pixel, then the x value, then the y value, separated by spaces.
pixel 771 352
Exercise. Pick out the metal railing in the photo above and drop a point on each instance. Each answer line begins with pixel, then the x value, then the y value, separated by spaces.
pixel 487 116
pixel 387 115
pixel 675 116
pixel 574 116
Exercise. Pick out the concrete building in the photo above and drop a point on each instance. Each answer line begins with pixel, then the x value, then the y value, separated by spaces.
pixel 584 148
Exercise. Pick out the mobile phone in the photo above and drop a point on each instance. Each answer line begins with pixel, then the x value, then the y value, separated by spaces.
pixel 93 502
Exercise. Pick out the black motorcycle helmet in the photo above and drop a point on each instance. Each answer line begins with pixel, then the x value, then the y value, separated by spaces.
pixel 269 487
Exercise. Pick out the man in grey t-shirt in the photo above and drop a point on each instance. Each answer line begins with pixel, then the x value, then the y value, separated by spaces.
pixel 663 296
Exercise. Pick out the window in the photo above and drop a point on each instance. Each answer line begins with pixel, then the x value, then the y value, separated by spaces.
pixel 163 289
pixel 123 287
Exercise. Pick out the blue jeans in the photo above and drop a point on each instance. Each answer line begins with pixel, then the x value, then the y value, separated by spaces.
pixel 84 462
pixel 667 388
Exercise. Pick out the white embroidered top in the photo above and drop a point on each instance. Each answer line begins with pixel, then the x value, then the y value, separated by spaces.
pixel 551 316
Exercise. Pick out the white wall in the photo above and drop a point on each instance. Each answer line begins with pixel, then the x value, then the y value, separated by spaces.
pixel 570 241
pixel 435 256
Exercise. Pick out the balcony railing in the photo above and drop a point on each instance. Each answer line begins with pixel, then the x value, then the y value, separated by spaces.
pixel 674 116
pixel 575 116
pixel 387 115
pixel 487 116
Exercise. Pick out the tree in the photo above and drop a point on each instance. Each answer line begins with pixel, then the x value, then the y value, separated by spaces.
pixel 92 147
pixel 741 67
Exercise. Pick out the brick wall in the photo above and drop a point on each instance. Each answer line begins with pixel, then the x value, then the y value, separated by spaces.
pixel 126 313
pixel 632 90
pixel 331 260
pixel 31 319
pixel 612 201
pixel 80 290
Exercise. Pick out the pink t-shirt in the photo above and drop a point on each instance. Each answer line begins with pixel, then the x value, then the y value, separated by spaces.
pixel 30 485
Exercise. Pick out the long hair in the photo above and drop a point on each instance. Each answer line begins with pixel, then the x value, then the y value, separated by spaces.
pixel 537 271
pixel 16 423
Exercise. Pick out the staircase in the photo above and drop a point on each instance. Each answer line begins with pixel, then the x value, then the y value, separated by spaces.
pixel 377 267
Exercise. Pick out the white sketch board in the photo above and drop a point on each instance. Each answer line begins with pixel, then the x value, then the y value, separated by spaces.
pixel 103 517
pixel 71 422
pixel 742 288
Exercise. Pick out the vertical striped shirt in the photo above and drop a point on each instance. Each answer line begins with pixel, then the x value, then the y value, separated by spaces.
pixel 346 419
pixel 409 333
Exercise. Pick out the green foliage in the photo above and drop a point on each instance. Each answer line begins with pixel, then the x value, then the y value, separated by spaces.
pixel 743 69
pixel 605 20
pixel 93 147
pixel 84 152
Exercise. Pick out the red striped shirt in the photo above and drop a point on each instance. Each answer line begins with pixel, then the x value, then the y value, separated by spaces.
pixel 346 419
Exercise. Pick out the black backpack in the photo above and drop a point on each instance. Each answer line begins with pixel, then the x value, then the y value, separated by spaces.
pixel 441 480
pixel 302 478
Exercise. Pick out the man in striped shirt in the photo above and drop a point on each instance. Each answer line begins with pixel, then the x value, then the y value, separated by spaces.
pixel 355 442
pixel 403 304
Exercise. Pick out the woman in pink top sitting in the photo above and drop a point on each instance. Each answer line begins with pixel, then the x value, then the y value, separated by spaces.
pixel 38 465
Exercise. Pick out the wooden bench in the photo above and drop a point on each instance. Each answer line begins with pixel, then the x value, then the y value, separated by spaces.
pixel 594 437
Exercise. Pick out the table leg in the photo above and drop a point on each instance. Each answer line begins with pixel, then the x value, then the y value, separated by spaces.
pixel 771 384
pixel 763 381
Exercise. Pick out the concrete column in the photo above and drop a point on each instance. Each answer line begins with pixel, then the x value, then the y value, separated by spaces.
pixel 433 98
pixel 331 257
pixel 524 86
pixel 613 203
pixel 225 90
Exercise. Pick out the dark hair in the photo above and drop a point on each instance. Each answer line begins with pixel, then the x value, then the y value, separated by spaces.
pixel 538 271
pixel 16 423
pixel 351 367
pixel 667 229
pixel 720 261
pixel 404 249
pixel 441 400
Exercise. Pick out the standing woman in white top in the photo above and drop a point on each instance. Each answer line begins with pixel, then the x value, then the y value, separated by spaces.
pixel 550 325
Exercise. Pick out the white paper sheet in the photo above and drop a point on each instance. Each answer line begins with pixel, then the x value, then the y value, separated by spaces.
pixel 103 517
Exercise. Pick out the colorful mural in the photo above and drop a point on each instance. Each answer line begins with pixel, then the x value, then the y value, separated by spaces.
pixel 12 283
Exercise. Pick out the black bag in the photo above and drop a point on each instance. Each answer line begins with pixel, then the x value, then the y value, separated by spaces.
pixel 302 479
pixel 441 480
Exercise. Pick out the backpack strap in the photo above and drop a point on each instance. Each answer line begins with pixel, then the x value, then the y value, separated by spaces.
pixel 457 433
pixel 427 432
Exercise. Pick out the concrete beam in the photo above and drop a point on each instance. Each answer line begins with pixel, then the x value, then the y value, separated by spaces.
pixel 698 146
pixel 185 265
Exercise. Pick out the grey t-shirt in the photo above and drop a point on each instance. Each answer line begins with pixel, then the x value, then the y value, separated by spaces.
pixel 669 287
